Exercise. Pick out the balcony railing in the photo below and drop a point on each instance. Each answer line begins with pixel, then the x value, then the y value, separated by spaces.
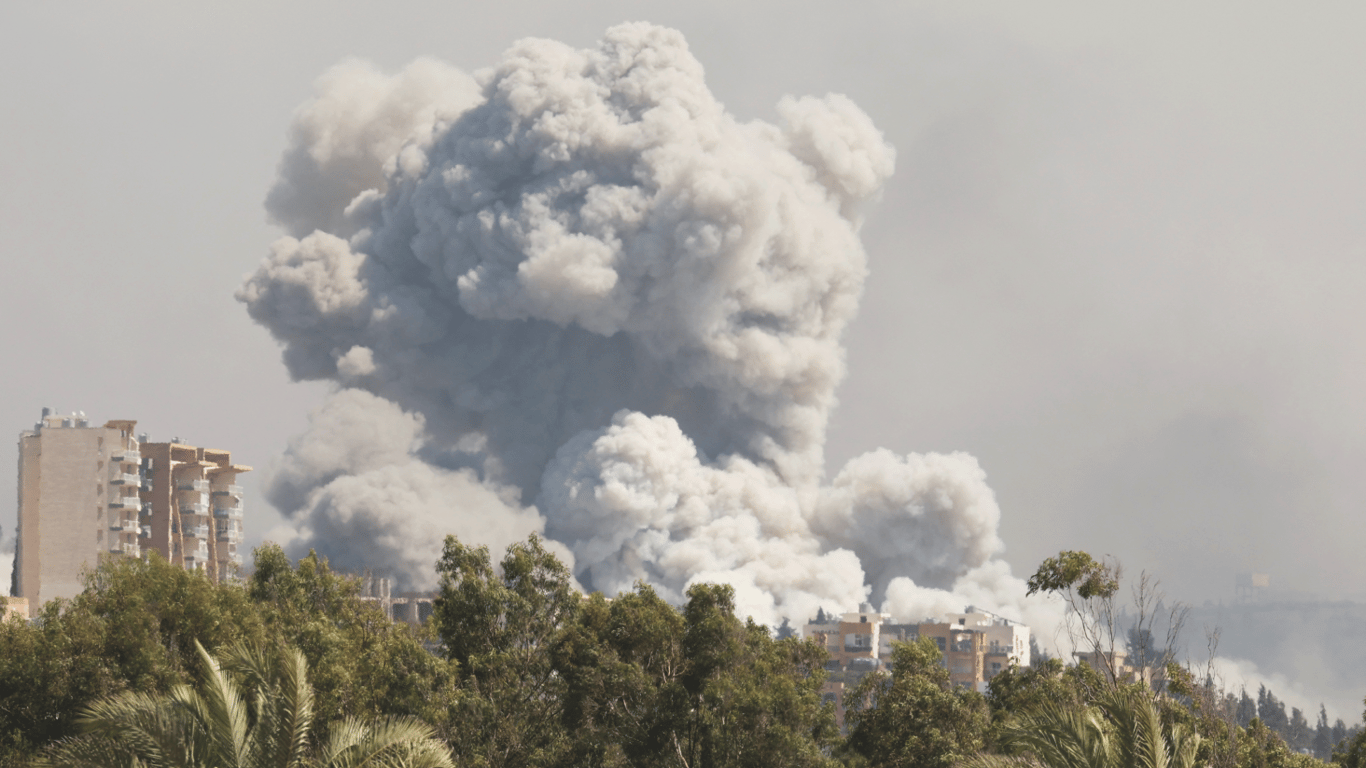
pixel 130 550
pixel 231 536
pixel 194 509
pixel 198 531
pixel 125 502
pixel 192 485
pixel 230 513
pixel 126 455
pixel 228 490
pixel 123 525
pixel 123 478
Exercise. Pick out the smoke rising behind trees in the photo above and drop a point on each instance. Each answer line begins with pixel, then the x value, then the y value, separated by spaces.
pixel 574 295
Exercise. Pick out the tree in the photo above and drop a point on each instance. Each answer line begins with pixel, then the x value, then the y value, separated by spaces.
pixel 132 628
pixel 1088 587
pixel 914 716
pixel 648 685
pixel 499 627
pixel 744 699
pixel 362 663
pixel 1271 711
pixel 1124 730
pixel 1323 735
pixel 1018 690
pixel 135 625
pixel 1297 731
pixel 1247 709
pixel 248 709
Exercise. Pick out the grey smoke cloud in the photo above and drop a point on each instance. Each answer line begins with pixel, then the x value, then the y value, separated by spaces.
pixel 574 295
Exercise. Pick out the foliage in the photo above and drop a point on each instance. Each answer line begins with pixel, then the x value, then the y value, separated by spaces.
pixel 549 678
pixel 249 709
pixel 363 664
pixel 1075 571
pixel 914 716
pixel 133 628
pixel 499 628
pixel 1124 729
pixel 1017 690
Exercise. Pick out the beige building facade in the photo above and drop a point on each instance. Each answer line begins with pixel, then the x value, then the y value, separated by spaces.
pixel 87 492
pixel 976 646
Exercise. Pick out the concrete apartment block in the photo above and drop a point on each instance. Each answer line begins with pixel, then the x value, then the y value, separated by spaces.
pixel 976 645
pixel 193 506
pixel 87 492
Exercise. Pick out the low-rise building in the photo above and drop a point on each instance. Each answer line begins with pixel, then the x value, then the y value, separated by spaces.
pixel 976 645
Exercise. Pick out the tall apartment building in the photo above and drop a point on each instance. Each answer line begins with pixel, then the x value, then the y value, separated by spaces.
pixel 976 645
pixel 87 492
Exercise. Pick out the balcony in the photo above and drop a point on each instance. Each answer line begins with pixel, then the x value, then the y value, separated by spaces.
pixel 228 490
pixel 231 536
pixel 198 531
pixel 123 525
pixel 146 532
pixel 194 509
pixel 192 485
pixel 228 513
pixel 123 478
pixel 126 456
pixel 128 550
pixel 125 502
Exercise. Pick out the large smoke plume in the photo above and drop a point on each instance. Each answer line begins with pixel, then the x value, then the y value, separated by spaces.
pixel 573 295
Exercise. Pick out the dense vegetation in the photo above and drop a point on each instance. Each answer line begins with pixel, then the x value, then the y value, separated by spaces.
pixel 517 669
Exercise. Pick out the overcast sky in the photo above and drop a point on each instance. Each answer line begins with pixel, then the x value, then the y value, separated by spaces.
pixel 1120 262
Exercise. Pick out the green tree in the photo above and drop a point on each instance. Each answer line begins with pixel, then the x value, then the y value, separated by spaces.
pixel 132 628
pixel 499 628
pixel 249 709
pixel 1124 730
pixel 1018 690
pixel 914 716
pixel 1323 735
pixel 362 663
pixel 745 699
pixel 548 677
pixel 135 625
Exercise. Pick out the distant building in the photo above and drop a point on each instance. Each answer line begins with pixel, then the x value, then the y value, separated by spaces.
pixel 15 606
pixel 1114 665
pixel 1252 586
pixel 976 646
pixel 87 492
pixel 410 607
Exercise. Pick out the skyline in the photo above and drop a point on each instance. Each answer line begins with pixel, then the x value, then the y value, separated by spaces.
pixel 1113 263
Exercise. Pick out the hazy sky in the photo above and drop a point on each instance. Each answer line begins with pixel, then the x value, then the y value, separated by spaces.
pixel 1120 260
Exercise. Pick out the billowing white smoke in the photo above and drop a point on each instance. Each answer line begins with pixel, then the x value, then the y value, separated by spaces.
pixel 576 296
pixel 7 562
